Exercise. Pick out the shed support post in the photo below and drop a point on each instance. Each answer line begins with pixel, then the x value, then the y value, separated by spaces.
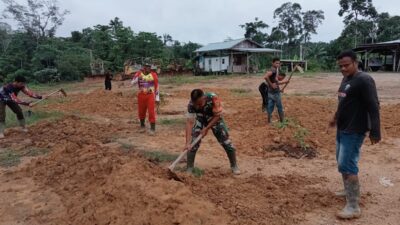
pixel 394 60
pixel 247 63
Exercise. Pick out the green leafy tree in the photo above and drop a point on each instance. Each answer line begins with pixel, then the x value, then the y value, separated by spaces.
pixel 255 30
pixel 311 20
pixel 5 37
pixel 355 12
pixel 122 47
pixel 40 18
pixel 147 45
pixel 388 27
pixel 167 39
pixel 289 17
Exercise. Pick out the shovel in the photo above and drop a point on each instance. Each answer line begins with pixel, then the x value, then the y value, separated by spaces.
pixel 47 96
pixel 177 160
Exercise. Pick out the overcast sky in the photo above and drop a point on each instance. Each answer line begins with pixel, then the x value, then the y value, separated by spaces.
pixel 201 21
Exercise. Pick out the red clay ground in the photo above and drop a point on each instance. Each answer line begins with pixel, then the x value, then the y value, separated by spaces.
pixel 97 170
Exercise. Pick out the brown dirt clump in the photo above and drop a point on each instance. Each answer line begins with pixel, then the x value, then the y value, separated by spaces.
pixel 294 152
pixel 390 120
pixel 99 102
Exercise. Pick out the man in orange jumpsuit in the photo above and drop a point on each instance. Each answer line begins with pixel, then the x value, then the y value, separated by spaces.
pixel 147 96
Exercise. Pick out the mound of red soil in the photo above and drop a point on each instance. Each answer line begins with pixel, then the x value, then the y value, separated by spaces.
pixel 257 199
pixel 99 102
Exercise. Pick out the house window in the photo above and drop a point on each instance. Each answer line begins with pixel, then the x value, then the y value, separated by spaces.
pixel 209 62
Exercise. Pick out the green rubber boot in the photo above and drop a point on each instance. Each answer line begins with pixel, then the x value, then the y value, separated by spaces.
pixel 23 125
pixel 190 161
pixel 281 117
pixel 233 163
pixel 2 128
pixel 142 126
pixel 352 209
pixel 342 193
pixel 269 118
pixel 152 131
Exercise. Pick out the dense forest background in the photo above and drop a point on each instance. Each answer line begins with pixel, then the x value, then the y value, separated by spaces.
pixel 34 51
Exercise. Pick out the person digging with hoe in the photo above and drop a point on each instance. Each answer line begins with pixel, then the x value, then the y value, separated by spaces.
pixel 147 96
pixel 357 113
pixel 8 97
pixel 274 92
pixel 205 114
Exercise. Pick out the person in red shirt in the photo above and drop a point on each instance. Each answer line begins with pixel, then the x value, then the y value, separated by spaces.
pixel 8 97
pixel 147 96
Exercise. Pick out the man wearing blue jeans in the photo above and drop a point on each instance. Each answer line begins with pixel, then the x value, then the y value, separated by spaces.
pixel 274 92
pixel 357 113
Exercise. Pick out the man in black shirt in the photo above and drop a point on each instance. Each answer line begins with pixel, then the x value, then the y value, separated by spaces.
pixel 357 113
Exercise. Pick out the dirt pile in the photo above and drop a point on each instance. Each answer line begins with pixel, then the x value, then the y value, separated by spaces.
pixel 99 102
pixel 305 126
pixel 68 131
pixel 98 183
pixel 258 200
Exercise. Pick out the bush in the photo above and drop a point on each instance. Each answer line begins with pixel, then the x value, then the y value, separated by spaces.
pixel 73 65
pixel 21 72
pixel 47 76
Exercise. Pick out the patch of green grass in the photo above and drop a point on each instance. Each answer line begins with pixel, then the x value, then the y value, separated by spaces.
pixel 280 125
pixel 32 152
pixel 45 88
pixel 240 91
pixel 55 101
pixel 34 117
pixel 126 147
pixel 160 156
pixel 186 79
pixel 198 172
pixel 190 79
pixel 173 121
pixel 9 158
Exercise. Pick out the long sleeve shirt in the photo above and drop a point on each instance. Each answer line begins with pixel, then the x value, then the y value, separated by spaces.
pixel 10 92
pixel 358 108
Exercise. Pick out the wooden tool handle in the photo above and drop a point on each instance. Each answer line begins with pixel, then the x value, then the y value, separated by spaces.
pixel 34 103
pixel 177 160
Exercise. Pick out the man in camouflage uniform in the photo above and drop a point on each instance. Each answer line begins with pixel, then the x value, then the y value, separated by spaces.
pixel 205 113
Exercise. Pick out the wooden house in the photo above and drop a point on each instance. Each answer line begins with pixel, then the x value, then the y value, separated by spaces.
pixel 232 56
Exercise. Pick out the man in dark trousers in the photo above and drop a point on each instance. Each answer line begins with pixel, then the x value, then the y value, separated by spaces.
pixel 263 89
pixel 357 113
pixel 205 114
pixel 274 92
pixel 107 80
pixel 8 97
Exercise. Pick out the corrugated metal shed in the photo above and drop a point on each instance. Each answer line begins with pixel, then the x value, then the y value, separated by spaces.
pixel 220 45
pixel 257 50
pixel 234 45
